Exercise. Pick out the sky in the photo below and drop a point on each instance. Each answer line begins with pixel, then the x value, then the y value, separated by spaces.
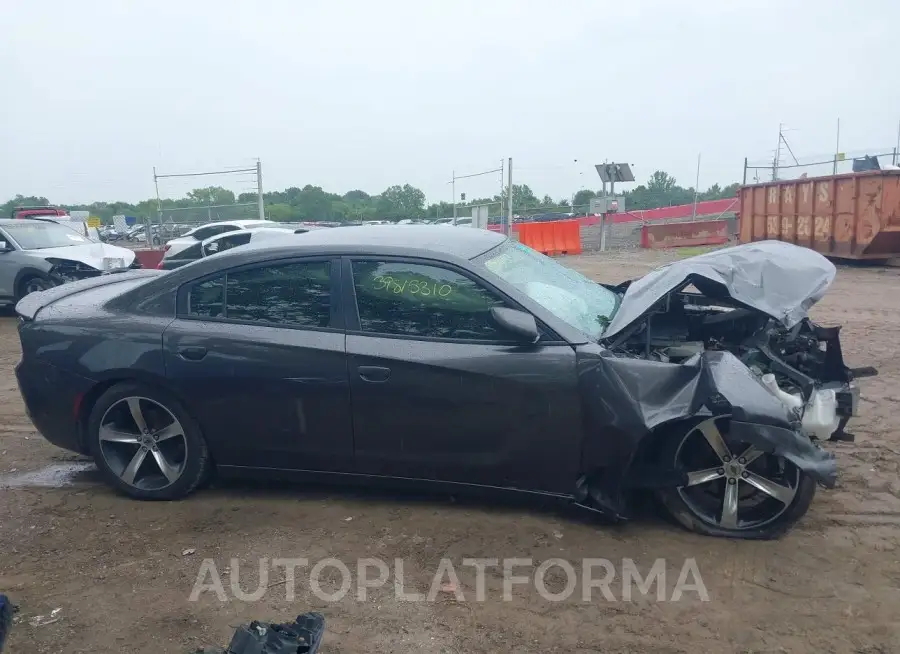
pixel 354 94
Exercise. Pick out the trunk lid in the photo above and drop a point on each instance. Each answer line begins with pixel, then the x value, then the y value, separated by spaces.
pixel 29 306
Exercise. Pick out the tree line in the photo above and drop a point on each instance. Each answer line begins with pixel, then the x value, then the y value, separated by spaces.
pixel 397 202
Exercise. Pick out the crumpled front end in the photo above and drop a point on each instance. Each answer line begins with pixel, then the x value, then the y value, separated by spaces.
pixel 627 399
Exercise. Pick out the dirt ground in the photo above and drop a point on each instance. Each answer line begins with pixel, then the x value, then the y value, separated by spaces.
pixel 120 574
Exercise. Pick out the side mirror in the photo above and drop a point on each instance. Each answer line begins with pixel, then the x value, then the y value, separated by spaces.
pixel 517 322
pixel 4 247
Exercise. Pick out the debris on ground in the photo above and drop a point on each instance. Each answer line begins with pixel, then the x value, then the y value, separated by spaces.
pixel 302 636
pixel 44 620
pixel 188 551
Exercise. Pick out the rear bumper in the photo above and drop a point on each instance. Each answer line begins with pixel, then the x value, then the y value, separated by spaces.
pixel 52 400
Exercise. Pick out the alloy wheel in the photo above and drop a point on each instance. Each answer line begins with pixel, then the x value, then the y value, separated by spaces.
pixel 143 443
pixel 36 285
pixel 735 487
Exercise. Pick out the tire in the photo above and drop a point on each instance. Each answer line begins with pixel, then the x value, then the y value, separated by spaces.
pixel 716 476
pixel 167 460
pixel 32 284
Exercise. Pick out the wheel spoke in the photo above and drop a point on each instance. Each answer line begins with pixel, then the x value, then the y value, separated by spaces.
pixel 131 470
pixel 714 437
pixel 729 518
pixel 783 494
pixel 170 471
pixel 115 436
pixel 134 404
pixel 166 433
pixel 750 455
pixel 704 476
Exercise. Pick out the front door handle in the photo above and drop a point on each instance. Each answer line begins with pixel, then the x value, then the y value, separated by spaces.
pixel 374 374
pixel 192 353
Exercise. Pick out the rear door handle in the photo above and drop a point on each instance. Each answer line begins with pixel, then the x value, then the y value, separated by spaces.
pixel 192 353
pixel 374 374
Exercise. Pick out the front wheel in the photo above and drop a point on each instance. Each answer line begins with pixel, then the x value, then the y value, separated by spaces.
pixel 146 444
pixel 33 284
pixel 734 490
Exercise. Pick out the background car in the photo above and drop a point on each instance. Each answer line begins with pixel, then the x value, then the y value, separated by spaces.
pixel 38 254
pixel 229 240
pixel 197 234
pixel 460 359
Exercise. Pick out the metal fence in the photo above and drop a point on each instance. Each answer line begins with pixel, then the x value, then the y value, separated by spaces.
pixel 760 172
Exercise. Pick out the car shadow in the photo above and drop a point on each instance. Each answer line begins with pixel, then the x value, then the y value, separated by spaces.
pixel 643 508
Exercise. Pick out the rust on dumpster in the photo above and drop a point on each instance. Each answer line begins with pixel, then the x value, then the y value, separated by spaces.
pixel 852 216
pixel 687 234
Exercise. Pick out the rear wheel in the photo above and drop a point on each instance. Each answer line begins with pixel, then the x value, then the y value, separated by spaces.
pixel 146 444
pixel 734 490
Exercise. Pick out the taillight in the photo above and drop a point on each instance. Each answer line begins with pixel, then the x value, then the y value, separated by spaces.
pixel 159 266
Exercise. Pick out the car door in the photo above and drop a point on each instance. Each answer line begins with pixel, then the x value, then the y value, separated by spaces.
pixel 258 353
pixel 10 265
pixel 440 391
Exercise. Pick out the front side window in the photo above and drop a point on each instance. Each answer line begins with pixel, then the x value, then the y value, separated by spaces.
pixel 295 294
pixel 409 299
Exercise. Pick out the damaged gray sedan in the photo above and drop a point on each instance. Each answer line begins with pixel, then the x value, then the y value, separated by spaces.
pixel 453 360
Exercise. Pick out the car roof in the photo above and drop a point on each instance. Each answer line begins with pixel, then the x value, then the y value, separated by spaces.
pixel 378 240
pixel 19 221
pixel 241 223
pixel 464 243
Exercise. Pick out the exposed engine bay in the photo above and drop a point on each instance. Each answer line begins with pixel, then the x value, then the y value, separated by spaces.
pixel 803 365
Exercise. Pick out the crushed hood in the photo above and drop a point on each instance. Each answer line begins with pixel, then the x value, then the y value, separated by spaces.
pixel 101 256
pixel 779 279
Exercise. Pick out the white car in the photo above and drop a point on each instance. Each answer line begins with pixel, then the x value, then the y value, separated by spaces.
pixel 222 242
pixel 235 238
pixel 37 254
pixel 203 232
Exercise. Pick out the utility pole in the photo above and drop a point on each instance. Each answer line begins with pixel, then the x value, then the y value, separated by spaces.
pixel 837 147
pixel 502 175
pixel 777 159
pixel 696 190
pixel 156 184
pixel 149 227
pixel 898 144
pixel 509 200
pixel 453 187
pixel 259 191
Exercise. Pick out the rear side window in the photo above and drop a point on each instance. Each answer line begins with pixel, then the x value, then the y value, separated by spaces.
pixel 205 232
pixel 191 253
pixel 207 299
pixel 408 299
pixel 295 294
pixel 227 242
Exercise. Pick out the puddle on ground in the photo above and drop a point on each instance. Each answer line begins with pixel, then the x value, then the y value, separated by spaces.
pixel 55 476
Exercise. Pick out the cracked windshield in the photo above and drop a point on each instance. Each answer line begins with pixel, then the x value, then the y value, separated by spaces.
pixel 569 295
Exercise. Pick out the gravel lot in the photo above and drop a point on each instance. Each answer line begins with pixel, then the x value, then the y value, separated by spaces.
pixel 122 572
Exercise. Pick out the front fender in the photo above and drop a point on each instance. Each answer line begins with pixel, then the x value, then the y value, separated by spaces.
pixel 628 399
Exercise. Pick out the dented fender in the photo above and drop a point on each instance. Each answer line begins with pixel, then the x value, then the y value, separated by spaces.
pixel 627 398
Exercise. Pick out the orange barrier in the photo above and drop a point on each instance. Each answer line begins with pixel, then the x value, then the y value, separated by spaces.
pixel 676 235
pixel 554 237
